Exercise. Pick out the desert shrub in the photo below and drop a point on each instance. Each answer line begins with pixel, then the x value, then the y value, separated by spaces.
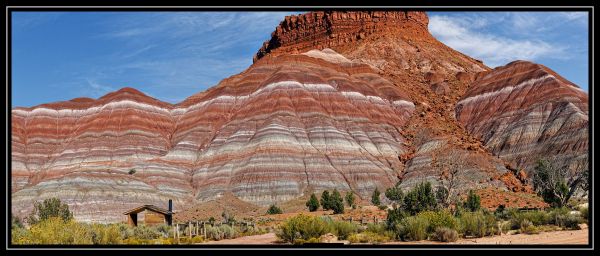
pixel 164 229
pixel 438 219
pixel 420 198
pixel 342 229
pixel 444 234
pixel 473 202
pixel 146 232
pixel 350 199
pixel 413 228
pixel 563 218
pixel 131 171
pixel 378 228
pixel 375 197
pixel 50 207
pixel 336 203
pixel 106 234
pixel 302 227
pixel 16 222
pixel 584 212
pixel 569 221
pixel 477 224
pixel 368 237
pixel 273 209
pixel 537 217
pixel 527 227
pixel 313 203
pixel 393 219
pixel 55 230
pixel 220 232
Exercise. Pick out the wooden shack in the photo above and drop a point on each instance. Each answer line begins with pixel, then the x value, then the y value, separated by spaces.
pixel 152 215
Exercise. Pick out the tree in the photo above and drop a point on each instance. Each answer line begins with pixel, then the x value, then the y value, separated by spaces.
pixel 51 207
pixel 132 171
pixel 473 202
pixel 454 163
pixel 273 209
pixel 375 197
pixel 394 193
pixel 556 185
pixel 420 198
pixel 336 203
pixel 325 200
pixel 350 199
pixel 312 203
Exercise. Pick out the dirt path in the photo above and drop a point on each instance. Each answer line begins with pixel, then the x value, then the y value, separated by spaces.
pixel 554 237
pixel 268 238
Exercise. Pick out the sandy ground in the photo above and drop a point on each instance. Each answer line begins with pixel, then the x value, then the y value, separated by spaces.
pixel 268 238
pixel 554 237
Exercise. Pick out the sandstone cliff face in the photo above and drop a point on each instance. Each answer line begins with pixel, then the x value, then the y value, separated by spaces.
pixel 525 111
pixel 327 29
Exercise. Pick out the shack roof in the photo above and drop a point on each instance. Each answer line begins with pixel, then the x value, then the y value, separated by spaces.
pixel 148 207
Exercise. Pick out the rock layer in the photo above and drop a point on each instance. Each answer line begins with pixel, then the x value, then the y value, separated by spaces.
pixel 284 126
pixel 524 112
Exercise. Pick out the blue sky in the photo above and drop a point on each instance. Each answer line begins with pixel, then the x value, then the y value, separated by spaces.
pixel 172 55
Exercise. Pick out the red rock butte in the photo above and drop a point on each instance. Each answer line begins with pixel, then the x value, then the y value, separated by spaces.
pixel 335 100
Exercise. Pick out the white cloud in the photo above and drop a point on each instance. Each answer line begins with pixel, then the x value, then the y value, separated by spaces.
pixel 493 49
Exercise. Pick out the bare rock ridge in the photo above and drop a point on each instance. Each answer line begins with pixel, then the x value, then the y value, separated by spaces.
pixel 525 111
pixel 284 126
pixel 335 100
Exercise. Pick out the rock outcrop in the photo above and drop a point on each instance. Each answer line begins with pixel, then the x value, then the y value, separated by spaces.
pixel 524 112
pixel 327 29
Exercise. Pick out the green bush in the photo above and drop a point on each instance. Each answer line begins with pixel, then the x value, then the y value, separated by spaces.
pixel 350 199
pixel 413 228
pixel 584 212
pixel 342 229
pixel 220 232
pixel 302 227
pixel 336 203
pixel 375 197
pixel 146 232
pixel 273 209
pixel 312 203
pixel 563 218
pixel 439 219
pixel 477 224
pixel 106 234
pixel 444 234
pixel 325 200
pixel 394 193
pixel 473 202
pixel 50 207
pixel 420 198
pixel 394 216
pixel 527 227
pixel 569 221
pixel 55 230
pixel 368 237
